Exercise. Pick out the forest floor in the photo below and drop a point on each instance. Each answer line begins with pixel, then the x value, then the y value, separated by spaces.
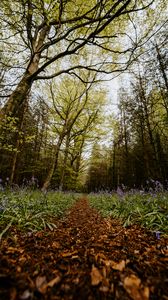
pixel 85 257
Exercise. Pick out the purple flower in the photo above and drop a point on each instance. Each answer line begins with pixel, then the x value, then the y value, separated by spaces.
pixel 157 235
pixel 120 192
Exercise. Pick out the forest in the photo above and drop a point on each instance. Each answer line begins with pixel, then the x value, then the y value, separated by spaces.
pixel 83 149
pixel 61 126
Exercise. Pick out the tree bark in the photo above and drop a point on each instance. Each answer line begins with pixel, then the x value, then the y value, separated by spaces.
pixel 19 95
pixel 53 166
pixel 64 162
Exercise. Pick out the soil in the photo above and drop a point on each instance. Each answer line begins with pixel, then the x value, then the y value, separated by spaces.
pixel 85 257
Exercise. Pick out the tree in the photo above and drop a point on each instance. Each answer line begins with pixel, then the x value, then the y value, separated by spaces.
pixel 69 108
pixel 98 172
pixel 46 35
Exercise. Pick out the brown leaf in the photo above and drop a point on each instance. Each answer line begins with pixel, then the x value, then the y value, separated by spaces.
pixel 104 289
pixel 40 281
pixel 56 245
pixel 65 287
pixel 13 294
pixel 26 295
pixel 118 266
pixel 146 293
pixel 18 269
pixel 68 254
pixel 38 234
pixel 42 285
pixel 165 251
pixel 96 276
pixel 54 281
pixel 132 280
pixel 132 285
pixel 100 257
pixel 13 250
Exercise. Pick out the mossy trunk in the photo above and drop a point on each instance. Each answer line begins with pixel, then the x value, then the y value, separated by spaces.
pixel 18 98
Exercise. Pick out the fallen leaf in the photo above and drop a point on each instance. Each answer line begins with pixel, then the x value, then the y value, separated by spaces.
pixel 100 257
pixel 18 269
pixel 65 287
pixel 146 293
pixel 132 285
pixel 13 250
pixel 38 234
pixel 103 237
pixel 76 280
pixel 164 251
pixel 40 281
pixel 164 259
pixel 96 276
pixel 56 245
pixel 118 266
pixel 104 289
pixel 132 280
pixel 42 285
pixel 104 272
pixel 26 295
pixel 75 257
pixel 68 254
pixel 54 281
pixel 13 293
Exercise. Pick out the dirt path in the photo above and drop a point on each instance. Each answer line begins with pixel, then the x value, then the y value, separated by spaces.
pixel 86 257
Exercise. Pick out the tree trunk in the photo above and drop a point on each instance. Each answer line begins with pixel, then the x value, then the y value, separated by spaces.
pixel 64 162
pixel 144 102
pixel 162 68
pixel 114 179
pixel 78 161
pixel 19 95
pixel 20 125
pixel 14 161
pixel 53 166
pixel 17 99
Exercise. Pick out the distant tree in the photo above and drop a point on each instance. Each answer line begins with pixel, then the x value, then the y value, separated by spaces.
pixel 97 178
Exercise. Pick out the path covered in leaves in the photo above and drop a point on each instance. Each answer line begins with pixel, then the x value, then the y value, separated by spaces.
pixel 86 257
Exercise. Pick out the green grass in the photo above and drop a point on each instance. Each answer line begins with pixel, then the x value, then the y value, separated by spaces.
pixel 148 210
pixel 32 210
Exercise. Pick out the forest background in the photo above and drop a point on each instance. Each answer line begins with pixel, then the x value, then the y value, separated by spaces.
pixel 61 126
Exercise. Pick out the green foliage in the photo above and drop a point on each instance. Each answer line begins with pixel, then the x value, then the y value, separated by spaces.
pixel 32 210
pixel 148 210
pixel 10 133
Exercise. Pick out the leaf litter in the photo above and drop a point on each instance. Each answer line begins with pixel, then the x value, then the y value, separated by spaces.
pixel 86 256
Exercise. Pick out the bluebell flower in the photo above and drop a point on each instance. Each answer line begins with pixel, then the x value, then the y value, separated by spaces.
pixel 157 235
pixel 120 191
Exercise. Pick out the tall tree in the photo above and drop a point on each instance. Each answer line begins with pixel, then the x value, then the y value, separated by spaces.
pixel 46 35
pixel 69 105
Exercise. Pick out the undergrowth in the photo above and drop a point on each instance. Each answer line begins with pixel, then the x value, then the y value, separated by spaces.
pixel 147 209
pixel 32 210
